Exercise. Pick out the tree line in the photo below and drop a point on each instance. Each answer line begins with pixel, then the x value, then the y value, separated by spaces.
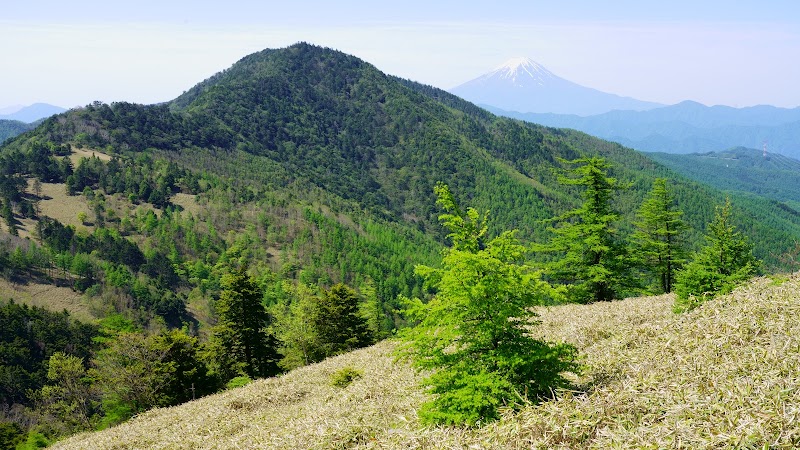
pixel 473 331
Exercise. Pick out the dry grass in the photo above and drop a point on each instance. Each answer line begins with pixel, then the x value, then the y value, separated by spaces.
pixel 299 410
pixel 47 296
pixel 723 376
pixel 78 153
pixel 62 207
pixel 188 202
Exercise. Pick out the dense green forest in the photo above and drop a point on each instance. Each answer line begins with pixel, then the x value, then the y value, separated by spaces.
pixel 773 176
pixel 310 177
pixel 11 128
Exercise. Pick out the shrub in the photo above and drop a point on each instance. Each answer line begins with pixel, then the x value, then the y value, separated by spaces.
pixel 343 377
pixel 726 261
pixel 238 382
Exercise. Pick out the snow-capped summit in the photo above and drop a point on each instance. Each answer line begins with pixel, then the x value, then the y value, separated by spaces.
pixel 522 68
pixel 523 85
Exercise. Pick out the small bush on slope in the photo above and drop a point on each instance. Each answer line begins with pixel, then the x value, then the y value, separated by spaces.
pixel 726 261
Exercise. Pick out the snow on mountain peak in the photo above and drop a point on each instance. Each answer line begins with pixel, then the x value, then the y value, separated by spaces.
pixel 520 68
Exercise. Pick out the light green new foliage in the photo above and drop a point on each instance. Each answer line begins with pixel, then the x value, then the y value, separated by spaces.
pixel 726 261
pixel 470 331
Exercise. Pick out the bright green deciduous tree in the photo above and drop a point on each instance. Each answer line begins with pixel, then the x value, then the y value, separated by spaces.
pixel 593 265
pixel 657 239
pixel 472 332
pixel 240 343
pixel 294 328
pixel 725 261
pixel 67 404
pixel 137 372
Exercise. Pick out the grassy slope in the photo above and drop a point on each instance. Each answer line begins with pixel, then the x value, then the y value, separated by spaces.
pixel 48 296
pixel 725 375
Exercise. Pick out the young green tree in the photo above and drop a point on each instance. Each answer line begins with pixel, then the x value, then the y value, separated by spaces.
pixel 294 328
pixel 724 262
pixel 240 343
pixel 472 332
pixel 657 239
pixel 594 264
pixel 132 373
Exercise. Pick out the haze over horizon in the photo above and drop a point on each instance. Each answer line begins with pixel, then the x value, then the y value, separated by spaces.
pixel 714 53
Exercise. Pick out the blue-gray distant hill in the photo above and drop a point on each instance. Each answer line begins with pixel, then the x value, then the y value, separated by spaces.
pixel 525 86
pixel 32 113
pixel 25 118
pixel 686 127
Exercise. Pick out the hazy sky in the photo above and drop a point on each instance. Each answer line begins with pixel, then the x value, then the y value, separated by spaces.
pixel 737 53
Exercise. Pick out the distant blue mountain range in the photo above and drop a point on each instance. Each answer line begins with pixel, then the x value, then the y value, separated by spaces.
pixel 32 113
pixel 524 89
pixel 686 127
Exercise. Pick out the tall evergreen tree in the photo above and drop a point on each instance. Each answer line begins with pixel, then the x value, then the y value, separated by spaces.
pixel 338 323
pixel 725 261
pixel 472 330
pixel 657 239
pixel 594 263
pixel 240 344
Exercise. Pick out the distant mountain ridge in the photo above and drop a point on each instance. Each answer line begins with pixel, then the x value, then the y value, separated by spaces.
pixel 525 86
pixel 687 127
pixel 769 175
pixel 32 113
pixel 11 128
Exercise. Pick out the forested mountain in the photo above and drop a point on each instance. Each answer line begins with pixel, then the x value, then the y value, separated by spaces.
pixel 301 168
pixel 687 127
pixel 325 134
pixel 11 128
pixel 742 169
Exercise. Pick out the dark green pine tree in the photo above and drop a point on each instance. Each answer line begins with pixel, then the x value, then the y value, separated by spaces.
pixel 339 326
pixel 724 262
pixel 594 263
pixel 657 239
pixel 8 215
pixel 240 344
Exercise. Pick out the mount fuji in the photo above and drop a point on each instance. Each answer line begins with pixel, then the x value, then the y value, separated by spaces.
pixel 525 86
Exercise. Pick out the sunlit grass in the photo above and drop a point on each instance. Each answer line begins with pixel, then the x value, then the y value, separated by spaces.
pixel 726 375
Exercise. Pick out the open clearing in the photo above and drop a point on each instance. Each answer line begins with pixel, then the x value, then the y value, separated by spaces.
pixel 49 297
pixel 78 153
pixel 726 375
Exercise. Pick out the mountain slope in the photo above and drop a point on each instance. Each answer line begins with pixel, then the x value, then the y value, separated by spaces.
pixel 722 376
pixel 11 128
pixel 772 176
pixel 524 86
pixel 687 127
pixel 309 127
pixel 320 167
pixel 309 166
